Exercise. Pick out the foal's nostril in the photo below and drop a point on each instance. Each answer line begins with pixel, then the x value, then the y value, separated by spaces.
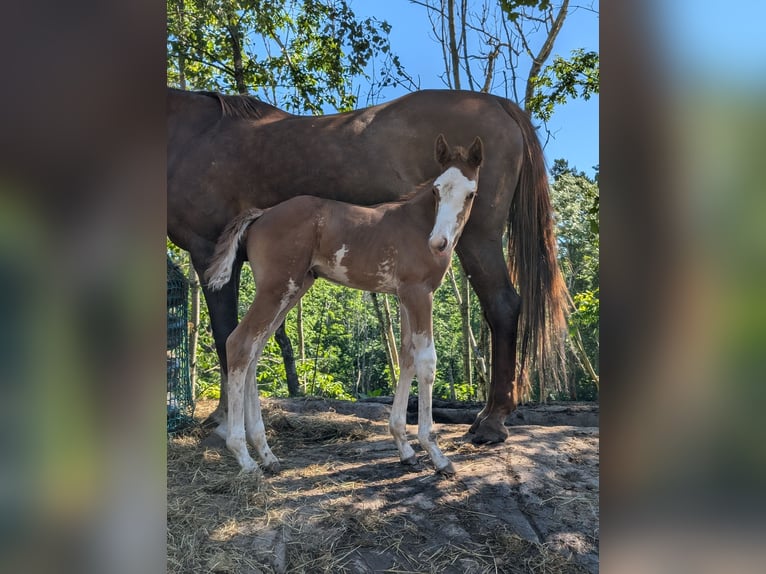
pixel 439 245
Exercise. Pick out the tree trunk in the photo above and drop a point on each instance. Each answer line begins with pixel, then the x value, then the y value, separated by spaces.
pixel 182 70
pixel 545 52
pixel 453 52
pixel 485 350
pixel 468 337
pixel 390 332
pixel 301 343
pixel 388 342
pixel 194 290
pixel 235 41
pixel 293 388
pixel 465 319
pixel 582 356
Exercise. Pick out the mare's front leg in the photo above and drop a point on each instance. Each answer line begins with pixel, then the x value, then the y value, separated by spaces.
pixel 417 306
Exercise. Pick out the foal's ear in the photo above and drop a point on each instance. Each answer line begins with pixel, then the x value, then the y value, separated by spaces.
pixel 476 153
pixel 442 152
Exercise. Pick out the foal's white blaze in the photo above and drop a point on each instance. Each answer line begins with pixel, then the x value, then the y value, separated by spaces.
pixel 454 188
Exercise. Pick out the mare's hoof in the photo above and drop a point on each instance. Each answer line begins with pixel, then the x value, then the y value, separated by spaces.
pixel 488 431
pixel 447 471
pixel 273 468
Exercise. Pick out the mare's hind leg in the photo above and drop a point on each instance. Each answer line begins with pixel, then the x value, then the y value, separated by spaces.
pixel 222 307
pixel 275 296
pixel 486 267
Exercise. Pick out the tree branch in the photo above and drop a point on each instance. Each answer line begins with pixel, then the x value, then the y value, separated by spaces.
pixel 545 51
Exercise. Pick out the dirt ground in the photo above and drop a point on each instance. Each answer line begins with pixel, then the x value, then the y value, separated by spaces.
pixel 344 503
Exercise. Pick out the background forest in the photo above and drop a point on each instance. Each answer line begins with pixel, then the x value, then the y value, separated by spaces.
pixel 319 56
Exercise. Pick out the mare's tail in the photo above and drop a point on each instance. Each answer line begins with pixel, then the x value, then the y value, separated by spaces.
pixel 533 266
pixel 219 270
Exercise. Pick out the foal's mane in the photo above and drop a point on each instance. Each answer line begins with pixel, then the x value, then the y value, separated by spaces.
pixel 242 106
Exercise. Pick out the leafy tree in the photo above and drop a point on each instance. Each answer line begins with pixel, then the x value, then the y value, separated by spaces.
pixel 302 55
pixel 575 198
pixel 573 78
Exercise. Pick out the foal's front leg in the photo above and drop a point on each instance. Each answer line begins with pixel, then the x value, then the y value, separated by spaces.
pixel 418 356
pixel 425 368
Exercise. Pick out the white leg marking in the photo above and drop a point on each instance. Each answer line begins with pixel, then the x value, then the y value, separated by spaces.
pixel 254 427
pixel 425 367
pixel 398 421
pixel 235 441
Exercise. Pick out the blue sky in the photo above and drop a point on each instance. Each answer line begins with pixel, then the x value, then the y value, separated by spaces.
pixel 574 126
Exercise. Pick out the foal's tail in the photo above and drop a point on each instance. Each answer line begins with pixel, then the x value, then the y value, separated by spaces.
pixel 219 270
pixel 532 263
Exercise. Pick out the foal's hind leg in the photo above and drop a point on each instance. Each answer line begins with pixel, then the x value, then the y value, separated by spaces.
pixel 275 296
pixel 255 431
pixel 398 420
pixel 254 427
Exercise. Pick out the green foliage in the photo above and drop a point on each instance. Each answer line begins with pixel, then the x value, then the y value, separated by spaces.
pixel 511 8
pixel 586 309
pixel 303 55
pixel 575 199
pixel 564 79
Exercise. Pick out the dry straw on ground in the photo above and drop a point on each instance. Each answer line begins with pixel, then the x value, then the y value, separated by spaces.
pixel 342 503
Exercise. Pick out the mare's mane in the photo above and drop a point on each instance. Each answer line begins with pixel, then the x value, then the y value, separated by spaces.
pixel 242 106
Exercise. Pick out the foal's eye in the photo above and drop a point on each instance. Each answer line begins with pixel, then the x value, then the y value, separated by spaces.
pixel 435 190
pixel 472 195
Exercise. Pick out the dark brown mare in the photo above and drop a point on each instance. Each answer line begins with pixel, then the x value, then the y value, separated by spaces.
pixel 403 248
pixel 230 153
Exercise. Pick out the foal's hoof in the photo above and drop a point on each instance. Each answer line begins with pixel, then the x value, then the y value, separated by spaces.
pixel 250 468
pixel 489 430
pixel 412 461
pixel 273 467
pixel 217 417
pixel 447 471
pixel 214 441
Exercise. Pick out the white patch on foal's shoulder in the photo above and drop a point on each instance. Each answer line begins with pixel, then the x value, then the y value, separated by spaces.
pixel 338 271
pixel 385 275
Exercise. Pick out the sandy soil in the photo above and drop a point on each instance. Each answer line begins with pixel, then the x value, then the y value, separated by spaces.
pixel 344 503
